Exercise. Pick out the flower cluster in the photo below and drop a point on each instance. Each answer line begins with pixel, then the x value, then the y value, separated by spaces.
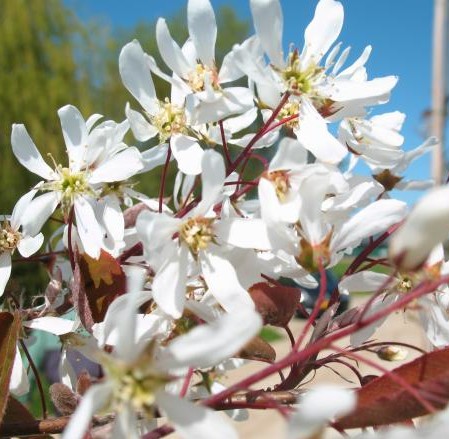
pixel 171 292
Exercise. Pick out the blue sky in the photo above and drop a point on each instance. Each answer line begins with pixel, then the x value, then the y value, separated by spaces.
pixel 400 32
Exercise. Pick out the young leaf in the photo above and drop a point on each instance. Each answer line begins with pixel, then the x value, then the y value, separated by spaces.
pixel 15 418
pixel 384 401
pixel 97 282
pixel 9 333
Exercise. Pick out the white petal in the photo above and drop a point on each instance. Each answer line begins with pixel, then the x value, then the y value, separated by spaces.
pixel 53 325
pixel 269 23
pixel 136 76
pixel 314 136
pixel 209 344
pixel 92 120
pixel 156 229
pixel 26 152
pixel 30 244
pixel 426 226
pixel 233 100
pixel 322 31
pixel 154 157
pixel 229 71
pixel 88 228
pixel 365 281
pixel 313 191
pixel 202 29
pixel 362 335
pixel 113 218
pixel 435 322
pixel 351 90
pixel 125 425
pixel 75 134
pixel 360 62
pixel 290 155
pixel 238 123
pixel 5 270
pixel 38 212
pixel 169 284
pixel 188 153
pixel 213 175
pixel 243 233
pixel 192 420
pixel 230 294
pixel 126 348
pixel 171 53
pixel 119 167
pixel 95 398
pixel 317 408
pixel 20 208
pixel 18 384
pixel 373 219
pixel 141 128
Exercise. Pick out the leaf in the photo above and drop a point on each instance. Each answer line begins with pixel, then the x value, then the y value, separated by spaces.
pixel 17 415
pixel 9 333
pixel 102 269
pixel 275 303
pixel 97 282
pixel 259 350
pixel 384 401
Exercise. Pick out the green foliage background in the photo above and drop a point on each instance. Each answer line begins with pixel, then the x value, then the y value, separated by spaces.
pixel 49 58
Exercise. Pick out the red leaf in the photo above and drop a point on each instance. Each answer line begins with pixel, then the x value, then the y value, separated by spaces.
pixel 384 401
pixel 275 303
pixel 16 416
pixel 9 333
pixel 97 282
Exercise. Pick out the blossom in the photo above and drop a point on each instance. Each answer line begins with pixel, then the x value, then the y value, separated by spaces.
pixel 138 371
pixel 12 238
pixel 97 158
pixel 426 226
pixel 177 246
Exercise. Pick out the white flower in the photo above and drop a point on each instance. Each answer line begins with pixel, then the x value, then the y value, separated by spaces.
pixel 177 246
pixel 97 156
pixel 12 238
pixel 137 373
pixel 426 226
pixel 317 408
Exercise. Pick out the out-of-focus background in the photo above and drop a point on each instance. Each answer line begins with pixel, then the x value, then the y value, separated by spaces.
pixel 55 52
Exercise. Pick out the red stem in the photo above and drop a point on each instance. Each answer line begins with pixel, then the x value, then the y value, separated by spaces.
pixel 258 135
pixel 70 248
pixel 225 145
pixel 185 384
pixel 322 343
pixel 316 309
pixel 164 178
pixel 394 377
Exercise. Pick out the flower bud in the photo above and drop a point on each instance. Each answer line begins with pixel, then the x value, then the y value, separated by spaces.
pixel 426 226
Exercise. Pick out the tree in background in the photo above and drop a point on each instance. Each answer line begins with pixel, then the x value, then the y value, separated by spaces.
pixel 46 62
pixel 39 72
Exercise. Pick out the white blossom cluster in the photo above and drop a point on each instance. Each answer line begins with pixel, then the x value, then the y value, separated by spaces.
pixel 217 232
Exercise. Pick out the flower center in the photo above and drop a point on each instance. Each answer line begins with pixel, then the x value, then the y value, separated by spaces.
pixel 197 233
pixel 200 76
pixel 281 183
pixel 297 80
pixel 71 185
pixel 405 284
pixel 170 120
pixel 9 238
pixel 291 108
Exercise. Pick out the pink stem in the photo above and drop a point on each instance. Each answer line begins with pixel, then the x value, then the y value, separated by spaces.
pixel 164 178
